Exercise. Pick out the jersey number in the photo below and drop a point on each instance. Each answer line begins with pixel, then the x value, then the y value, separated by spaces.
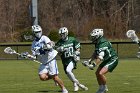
pixel 69 52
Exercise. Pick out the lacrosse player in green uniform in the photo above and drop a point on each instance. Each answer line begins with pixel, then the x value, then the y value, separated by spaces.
pixel 69 51
pixel 105 56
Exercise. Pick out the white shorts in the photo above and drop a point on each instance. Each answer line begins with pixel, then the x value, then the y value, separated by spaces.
pixel 50 68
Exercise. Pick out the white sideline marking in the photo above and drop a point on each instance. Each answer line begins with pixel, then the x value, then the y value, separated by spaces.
pixel 132 76
pixel 126 83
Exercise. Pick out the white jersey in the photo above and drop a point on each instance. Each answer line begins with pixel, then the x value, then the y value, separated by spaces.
pixel 43 55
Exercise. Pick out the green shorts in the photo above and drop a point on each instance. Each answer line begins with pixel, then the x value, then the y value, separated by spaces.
pixel 111 64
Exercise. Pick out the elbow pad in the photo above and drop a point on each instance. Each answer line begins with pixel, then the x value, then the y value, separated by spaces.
pixel 48 46
pixel 101 55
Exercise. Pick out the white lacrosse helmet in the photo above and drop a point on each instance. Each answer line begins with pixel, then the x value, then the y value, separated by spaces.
pixel 37 31
pixel 96 34
pixel 63 32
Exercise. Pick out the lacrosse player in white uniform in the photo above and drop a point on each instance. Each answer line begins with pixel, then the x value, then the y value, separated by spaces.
pixel 42 50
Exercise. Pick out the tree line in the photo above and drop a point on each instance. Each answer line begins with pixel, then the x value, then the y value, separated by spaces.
pixel 79 16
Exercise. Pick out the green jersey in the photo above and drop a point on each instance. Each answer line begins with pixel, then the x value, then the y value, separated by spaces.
pixel 105 46
pixel 70 46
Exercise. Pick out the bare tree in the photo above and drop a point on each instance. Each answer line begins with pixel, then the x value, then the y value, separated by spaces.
pixel 80 16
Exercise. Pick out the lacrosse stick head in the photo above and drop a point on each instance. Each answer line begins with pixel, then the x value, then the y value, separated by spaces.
pixel 132 35
pixel 28 37
pixel 9 50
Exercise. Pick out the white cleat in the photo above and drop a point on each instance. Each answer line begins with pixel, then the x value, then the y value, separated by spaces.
pixel 64 91
pixel 83 87
pixel 76 88
pixel 106 90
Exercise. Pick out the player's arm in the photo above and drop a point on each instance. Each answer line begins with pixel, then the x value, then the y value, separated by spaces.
pixel 48 44
pixel 88 62
pixel 76 55
pixel 98 59
pixel 93 57
pixel 59 48
pixel 28 56
pixel 77 51
pixel 31 56
pixel 34 54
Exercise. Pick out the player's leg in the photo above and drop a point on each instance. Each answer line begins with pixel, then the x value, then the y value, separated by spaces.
pixel 71 76
pixel 60 83
pixel 43 73
pixel 100 74
pixel 102 70
pixel 53 72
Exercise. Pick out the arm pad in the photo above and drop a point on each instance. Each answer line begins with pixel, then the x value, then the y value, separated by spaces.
pixel 101 55
pixel 47 46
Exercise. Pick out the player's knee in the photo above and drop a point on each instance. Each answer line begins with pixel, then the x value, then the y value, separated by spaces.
pixel 98 73
pixel 43 77
pixel 68 71
pixel 55 77
pixel 101 73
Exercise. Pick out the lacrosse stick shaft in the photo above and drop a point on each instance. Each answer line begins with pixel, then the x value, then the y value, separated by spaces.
pixel 9 50
pixel 37 61
pixel 87 65
pixel 30 58
pixel 17 54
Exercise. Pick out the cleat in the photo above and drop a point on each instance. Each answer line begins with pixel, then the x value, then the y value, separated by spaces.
pixel 64 91
pixel 76 88
pixel 102 90
pixel 106 90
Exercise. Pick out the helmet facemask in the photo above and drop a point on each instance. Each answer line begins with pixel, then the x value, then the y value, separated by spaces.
pixel 38 34
pixel 37 31
pixel 63 32
pixel 63 36
pixel 96 34
pixel 93 39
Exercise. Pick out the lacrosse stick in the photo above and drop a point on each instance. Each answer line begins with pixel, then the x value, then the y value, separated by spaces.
pixel 9 50
pixel 132 35
pixel 86 64
pixel 29 37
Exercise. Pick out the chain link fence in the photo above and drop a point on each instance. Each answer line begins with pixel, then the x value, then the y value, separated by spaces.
pixel 124 50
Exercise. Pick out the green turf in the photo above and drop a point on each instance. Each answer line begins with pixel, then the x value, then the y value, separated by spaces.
pixel 22 77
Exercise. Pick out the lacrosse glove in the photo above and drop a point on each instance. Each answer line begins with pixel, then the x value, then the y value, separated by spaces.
pixel 24 55
pixel 76 56
pixel 91 66
pixel 85 63
pixel 60 49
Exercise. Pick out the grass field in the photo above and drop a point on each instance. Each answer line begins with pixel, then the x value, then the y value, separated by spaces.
pixel 22 77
